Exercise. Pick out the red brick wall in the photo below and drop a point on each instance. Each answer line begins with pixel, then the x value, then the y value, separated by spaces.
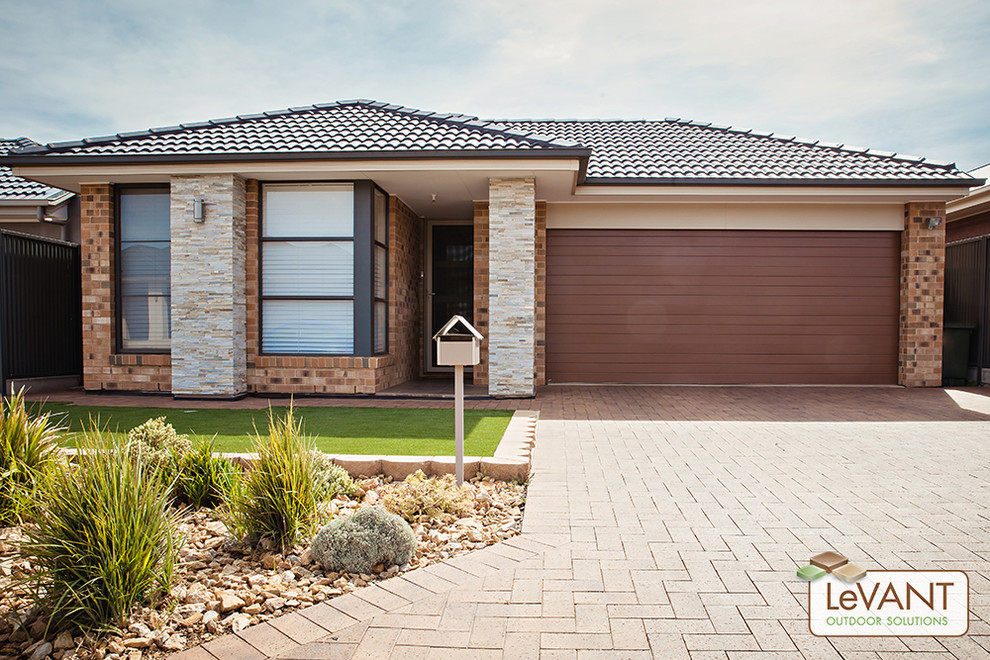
pixel 481 287
pixel 540 325
pixel 405 313
pixel 922 280
pixel 285 374
pixel 971 227
pixel 103 369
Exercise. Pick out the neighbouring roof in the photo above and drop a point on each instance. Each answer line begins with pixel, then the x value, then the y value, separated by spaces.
pixel 14 188
pixel 665 151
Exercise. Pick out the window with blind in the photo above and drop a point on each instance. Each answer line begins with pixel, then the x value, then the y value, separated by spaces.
pixel 143 278
pixel 324 260
pixel 307 269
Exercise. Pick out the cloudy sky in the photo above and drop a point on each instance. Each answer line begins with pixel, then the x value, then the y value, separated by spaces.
pixel 899 75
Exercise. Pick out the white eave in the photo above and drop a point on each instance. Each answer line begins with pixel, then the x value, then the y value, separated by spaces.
pixel 447 187
pixel 977 201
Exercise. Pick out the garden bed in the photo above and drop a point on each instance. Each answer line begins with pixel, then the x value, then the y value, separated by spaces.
pixel 222 586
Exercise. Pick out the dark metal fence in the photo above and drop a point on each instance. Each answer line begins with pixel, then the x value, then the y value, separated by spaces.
pixel 966 289
pixel 40 312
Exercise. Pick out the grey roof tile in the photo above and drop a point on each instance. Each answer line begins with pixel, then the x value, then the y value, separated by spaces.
pixel 638 151
pixel 13 188
pixel 345 126
pixel 675 149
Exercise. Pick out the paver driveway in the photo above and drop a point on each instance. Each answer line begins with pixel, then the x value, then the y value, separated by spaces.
pixel 668 522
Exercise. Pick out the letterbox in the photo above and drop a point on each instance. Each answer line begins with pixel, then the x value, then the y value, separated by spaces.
pixel 455 347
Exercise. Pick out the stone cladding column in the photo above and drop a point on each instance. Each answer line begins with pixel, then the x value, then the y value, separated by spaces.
pixel 512 286
pixel 208 290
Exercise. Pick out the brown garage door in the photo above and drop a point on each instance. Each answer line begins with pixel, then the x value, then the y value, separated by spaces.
pixel 675 306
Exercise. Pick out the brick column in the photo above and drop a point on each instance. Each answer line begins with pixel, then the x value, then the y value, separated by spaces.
pixel 541 294
pixel 208 289
pixel 96 251
pixel 480 371
pixel 922 279
pixel 512 290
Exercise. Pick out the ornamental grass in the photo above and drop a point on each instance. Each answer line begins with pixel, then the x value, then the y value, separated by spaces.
pixel 105 538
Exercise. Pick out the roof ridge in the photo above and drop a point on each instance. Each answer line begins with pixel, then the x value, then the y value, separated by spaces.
pixel 835 146
pixel 19 143
pixel 486 125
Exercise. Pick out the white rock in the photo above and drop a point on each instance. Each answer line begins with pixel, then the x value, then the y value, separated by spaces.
pixel 212 622
pixel 229 602
pixel 140 630
pixel 137 643
pixel 239 622
pixel 175 642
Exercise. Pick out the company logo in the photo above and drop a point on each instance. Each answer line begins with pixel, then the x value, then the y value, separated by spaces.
pixel 846 600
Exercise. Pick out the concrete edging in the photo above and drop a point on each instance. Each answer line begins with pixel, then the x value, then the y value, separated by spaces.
pixel 512 459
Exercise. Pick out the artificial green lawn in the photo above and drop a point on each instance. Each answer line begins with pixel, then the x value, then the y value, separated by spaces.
pixel 396 431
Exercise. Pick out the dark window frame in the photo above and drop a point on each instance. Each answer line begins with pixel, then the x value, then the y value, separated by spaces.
pixel 118 190
pixel 363 275
pixel 375 243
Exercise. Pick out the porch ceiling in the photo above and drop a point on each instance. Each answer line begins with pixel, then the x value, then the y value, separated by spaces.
pixel 457 183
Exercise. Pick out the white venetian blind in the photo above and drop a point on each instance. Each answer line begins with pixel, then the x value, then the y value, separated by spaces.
pixel 305 211
pixel 308 268
pixel 145 283
pixel 308 326
pixel 298 276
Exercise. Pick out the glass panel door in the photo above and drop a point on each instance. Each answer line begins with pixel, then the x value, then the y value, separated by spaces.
pixel 451 279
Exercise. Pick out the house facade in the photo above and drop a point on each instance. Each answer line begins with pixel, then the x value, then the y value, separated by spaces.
pixel 33 208
pixel 317 249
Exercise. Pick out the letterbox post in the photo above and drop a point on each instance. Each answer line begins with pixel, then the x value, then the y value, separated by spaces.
pixel 458 350
pixel 459 422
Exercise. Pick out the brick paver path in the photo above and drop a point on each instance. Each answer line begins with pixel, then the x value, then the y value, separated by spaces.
pixel 668 523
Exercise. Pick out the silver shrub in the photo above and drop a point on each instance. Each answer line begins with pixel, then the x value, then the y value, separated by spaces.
pixel 370 536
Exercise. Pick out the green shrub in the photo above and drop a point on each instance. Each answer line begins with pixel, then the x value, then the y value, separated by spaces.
pixel 106 538
pixel 204 478
pixel 161 446
pixel 278 500
pixel 421 498
pixel 28 448
pixel 331 479
pixel 356 543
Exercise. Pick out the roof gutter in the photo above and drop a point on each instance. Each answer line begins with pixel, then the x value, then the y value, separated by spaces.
pixel 780 182
pixel 35 160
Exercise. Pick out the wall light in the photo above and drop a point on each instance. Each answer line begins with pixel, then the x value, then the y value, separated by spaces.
pixel 198 210
pixel 933 222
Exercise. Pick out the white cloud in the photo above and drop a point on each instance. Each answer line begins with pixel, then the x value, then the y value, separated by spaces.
pixel 891 74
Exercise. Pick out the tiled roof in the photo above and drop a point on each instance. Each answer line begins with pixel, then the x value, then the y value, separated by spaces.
pixel 13 188
pixel 667 151
pixel 677 149
pixel 341 127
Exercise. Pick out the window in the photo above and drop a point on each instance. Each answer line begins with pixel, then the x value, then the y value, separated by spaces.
pixel 144 319
pixel 380 294
pixel 307 273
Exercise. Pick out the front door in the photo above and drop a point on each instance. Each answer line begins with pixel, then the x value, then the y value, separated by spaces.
pixel 450 286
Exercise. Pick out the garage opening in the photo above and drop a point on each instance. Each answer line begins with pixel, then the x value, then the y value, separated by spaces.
pixel 722 307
